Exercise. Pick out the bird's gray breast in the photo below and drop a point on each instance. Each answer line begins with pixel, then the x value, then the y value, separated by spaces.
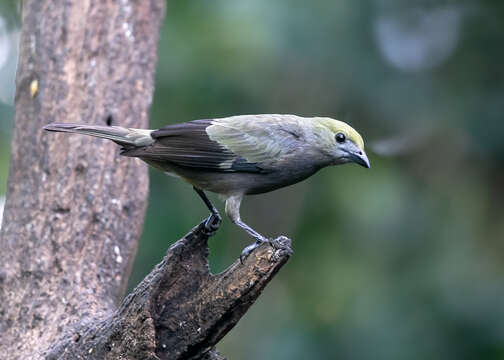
pixel 284 173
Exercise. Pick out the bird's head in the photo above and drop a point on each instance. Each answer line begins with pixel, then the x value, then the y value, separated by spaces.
pixel 340 141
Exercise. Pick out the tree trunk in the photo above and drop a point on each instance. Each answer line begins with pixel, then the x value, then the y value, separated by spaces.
pixel 75 209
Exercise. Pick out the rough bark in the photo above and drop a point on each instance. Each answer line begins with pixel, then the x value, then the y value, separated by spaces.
pixel 180 310
pixel 75 209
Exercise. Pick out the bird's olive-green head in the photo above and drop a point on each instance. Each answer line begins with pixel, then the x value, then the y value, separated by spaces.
pixel 342 142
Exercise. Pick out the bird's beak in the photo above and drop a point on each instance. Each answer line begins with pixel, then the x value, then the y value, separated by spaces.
pixel 360 158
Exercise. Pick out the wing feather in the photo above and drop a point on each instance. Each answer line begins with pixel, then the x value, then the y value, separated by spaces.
pixel 258 138
pixel 188 145
pixel 236 144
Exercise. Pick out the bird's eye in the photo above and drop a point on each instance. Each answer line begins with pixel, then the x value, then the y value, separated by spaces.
pixel 340 137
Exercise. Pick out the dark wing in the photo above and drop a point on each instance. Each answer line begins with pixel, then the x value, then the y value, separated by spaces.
pixel 188 145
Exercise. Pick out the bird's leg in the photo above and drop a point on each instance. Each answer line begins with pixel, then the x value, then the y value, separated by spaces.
pixel 213 221
pixel 259 240
pixel 233 211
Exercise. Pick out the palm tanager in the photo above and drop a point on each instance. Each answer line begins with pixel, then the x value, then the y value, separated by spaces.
pixel 237 155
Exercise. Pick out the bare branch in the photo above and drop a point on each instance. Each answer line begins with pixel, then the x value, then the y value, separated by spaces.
pixel 180 310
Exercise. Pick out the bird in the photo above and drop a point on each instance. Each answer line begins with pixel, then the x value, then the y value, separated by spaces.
pixel 237 155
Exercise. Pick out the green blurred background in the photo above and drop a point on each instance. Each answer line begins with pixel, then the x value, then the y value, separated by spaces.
pixel 402 261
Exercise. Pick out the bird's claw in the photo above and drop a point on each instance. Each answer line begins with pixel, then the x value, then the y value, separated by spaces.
pixel 249 249
pixel 212 224
pixel 281 245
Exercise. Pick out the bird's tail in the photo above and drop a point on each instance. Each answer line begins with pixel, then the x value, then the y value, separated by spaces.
pixel 126 137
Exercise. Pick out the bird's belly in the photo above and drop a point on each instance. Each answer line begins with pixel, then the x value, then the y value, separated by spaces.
pixel 247 183
pixel 229 183
pixel 273 181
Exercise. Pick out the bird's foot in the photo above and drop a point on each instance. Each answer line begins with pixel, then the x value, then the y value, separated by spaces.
pixel 248 250
pixel 212 224
pixel 282 246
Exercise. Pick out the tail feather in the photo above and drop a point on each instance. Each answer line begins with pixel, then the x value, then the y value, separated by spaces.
pixel 118 134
